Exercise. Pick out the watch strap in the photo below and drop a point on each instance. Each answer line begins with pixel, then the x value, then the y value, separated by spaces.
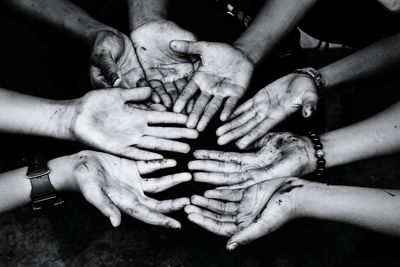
pixel 315 75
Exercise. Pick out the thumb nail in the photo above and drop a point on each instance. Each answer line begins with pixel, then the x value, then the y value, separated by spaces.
pixel 232 246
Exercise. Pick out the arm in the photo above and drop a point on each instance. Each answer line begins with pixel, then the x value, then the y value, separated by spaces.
pixel 373 137
pixel 371 61
pixel 143 11
pixel 109 183
pixel 249 213
pixel 275 20
pixel 102 119
pixel 62 15
pixel 113 59
pixel 15 187
pixel 374 209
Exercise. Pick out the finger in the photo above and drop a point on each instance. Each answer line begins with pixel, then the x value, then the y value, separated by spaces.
pixel 149 166
pixel 190 106
pixel 109 68
pixel 212 108
pixel 214 226
pixel 219 217
pixel 214 205
pixel 172 91
pixel 239 131
pixel 138 154
pixel 188 47
pixel 156 107
pixel 231 157
pixel 214 166
pixel 172 133
pixel 310 103
pixel 243 108
pixel 155 98
pixel 180 84
pixel 256 133
pixel 96 196
pixel 230 105
pixel 97 79
pixel 198 109
pixel 167 117
pixel 235 123
pixel 156 185
pixel 167 206
pixel 155 143
pixel 159 89
pixel 234 195
pixel 136 94
pixel 187 93
pixel 219 178
pixel 142 82
pixel 146 215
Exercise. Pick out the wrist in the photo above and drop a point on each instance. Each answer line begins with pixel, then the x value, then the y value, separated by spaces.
pixel 141 20
pixel 61 119
pixel 306 204
pixel 61 173
pixel 247 52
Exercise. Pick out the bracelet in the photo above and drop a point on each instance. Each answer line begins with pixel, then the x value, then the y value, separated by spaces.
pixel 314 75
pixel 319 153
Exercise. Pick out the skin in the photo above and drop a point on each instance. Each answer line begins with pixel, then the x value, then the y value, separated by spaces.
pixel 166 70
pixel 224 73
pixel 250 213
pixel 113 60
pixel 268 107
pixel 111 120
pixel 277 155
pixel 111 184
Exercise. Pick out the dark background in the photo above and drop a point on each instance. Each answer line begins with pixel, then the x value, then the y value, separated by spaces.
pixel 39 61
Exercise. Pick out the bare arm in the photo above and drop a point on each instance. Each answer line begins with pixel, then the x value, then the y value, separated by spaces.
pixel 374 209
pixel 142 11
pixel 373 137
pixel 275 20
pixel 62 15
pixel 371 61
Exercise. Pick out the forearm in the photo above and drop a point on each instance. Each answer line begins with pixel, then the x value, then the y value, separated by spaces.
pixel 368 62
pixel 142 11
pixel 374 209
pixel 15 187
pixel 23 114
pixel 275 20
pixel 376 136
pixel 62 15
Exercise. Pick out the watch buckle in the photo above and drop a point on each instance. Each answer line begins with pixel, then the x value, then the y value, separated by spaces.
pixel 46 202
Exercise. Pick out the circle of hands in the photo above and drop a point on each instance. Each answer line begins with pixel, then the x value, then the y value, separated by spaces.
pixel 160 79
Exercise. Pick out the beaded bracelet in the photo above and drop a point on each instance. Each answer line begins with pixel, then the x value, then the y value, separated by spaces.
pixel 319 153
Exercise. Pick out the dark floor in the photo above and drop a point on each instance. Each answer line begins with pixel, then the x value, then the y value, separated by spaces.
pixel 41 62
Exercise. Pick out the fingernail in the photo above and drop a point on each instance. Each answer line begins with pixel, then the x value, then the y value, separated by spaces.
pixel 114 78
pixel 232 246
pixel 113 221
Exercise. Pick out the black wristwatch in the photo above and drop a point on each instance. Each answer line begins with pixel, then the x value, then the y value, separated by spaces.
pixel 43 194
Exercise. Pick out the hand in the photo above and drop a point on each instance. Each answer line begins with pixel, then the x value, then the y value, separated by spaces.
pixel 113 184
pixel 277 155
pixel 166 70
pixel 114 62
pixel 268 107
pixel 224 73
pixel 104 119
pixel 249 213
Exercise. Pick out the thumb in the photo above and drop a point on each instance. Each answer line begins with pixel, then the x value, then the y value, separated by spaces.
pixel 136 94
pixel 310 103
pixel 109 68
pixel 187 47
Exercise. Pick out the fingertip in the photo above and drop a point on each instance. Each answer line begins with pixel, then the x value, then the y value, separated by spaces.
pixel 115 220
pixel 194 199
pixel 221 141
pixel 175 45
pixel 173 224
pixel 232 246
